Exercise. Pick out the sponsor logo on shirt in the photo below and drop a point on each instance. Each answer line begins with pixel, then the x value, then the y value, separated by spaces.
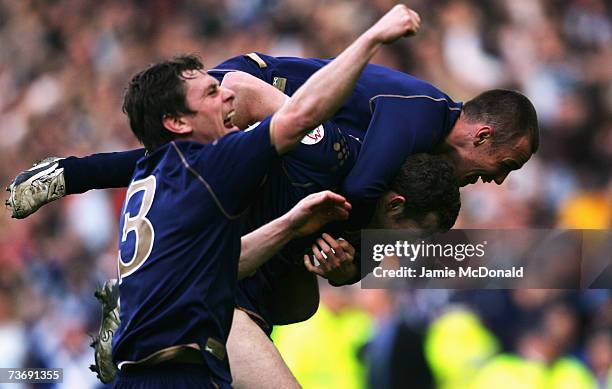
pixel 314 136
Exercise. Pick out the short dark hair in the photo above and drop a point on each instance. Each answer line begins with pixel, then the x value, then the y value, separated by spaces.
pixel 429 185
pixel 509 113
pixel 154 93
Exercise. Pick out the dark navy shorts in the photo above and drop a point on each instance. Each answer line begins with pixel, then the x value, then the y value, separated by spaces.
pixel 253 294
pixel 167 376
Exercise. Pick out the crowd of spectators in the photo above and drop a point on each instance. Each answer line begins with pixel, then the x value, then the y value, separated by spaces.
pixel 64 65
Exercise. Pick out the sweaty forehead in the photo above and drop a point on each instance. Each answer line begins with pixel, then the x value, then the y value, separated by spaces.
pixel 197 81
pixel 193 73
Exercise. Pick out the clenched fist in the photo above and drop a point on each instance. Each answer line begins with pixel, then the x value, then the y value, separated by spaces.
pixel 400 21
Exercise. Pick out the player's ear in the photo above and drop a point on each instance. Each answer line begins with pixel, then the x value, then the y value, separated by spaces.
pixel 395 205
pixel 176 124
pixel 483 133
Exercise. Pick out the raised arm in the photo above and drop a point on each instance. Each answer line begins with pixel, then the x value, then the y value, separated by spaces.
pixel 314 102
pixel 324 92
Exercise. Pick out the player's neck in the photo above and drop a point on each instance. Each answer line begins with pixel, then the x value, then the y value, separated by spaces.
pixel 450 148
pixel 454 139
pixel 203 138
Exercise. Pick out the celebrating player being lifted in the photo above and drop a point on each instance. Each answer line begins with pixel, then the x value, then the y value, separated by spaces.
pixel 433 203
pixel 414 115
pixel 392 113
pixel 488 136
pixel 178 256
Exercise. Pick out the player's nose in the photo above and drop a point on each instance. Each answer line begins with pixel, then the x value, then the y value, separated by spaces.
pixel 228 94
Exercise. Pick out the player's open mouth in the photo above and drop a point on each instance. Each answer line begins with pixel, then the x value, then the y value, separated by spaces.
pixel 228 123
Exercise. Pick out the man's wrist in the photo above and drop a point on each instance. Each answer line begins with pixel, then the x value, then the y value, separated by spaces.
pixel 371 40
pixel 370 37
pixel 289 229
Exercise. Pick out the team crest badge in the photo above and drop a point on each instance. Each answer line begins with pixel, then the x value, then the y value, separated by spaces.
pixel 279 83
pixel 314 136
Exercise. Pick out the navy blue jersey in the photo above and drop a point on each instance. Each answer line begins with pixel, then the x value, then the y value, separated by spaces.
pixel 319 162
pixel 395 114
pixel 179 244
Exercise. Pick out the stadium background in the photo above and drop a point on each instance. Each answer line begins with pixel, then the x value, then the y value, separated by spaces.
pixel 63 67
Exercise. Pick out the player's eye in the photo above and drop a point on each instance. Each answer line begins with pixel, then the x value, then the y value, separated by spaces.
pixel 211 90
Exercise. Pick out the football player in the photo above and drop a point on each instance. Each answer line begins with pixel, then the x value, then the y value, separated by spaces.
pixel 180 232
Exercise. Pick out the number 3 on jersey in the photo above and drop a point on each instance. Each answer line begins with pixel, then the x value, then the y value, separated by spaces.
pixel 138 224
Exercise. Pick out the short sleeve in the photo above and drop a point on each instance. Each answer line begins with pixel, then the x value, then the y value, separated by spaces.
pixel 240 63
pixel 323 157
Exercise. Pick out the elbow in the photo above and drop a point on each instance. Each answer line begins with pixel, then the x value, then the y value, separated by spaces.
pixel 245 264
pixel 292 124
pixel 245 272
pixel 233 80
pixel 362 185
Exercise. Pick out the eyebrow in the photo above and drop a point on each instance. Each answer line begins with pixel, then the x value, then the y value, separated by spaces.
pixel 211 87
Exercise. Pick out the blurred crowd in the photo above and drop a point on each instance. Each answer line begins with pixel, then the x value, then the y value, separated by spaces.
pixel 64 65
